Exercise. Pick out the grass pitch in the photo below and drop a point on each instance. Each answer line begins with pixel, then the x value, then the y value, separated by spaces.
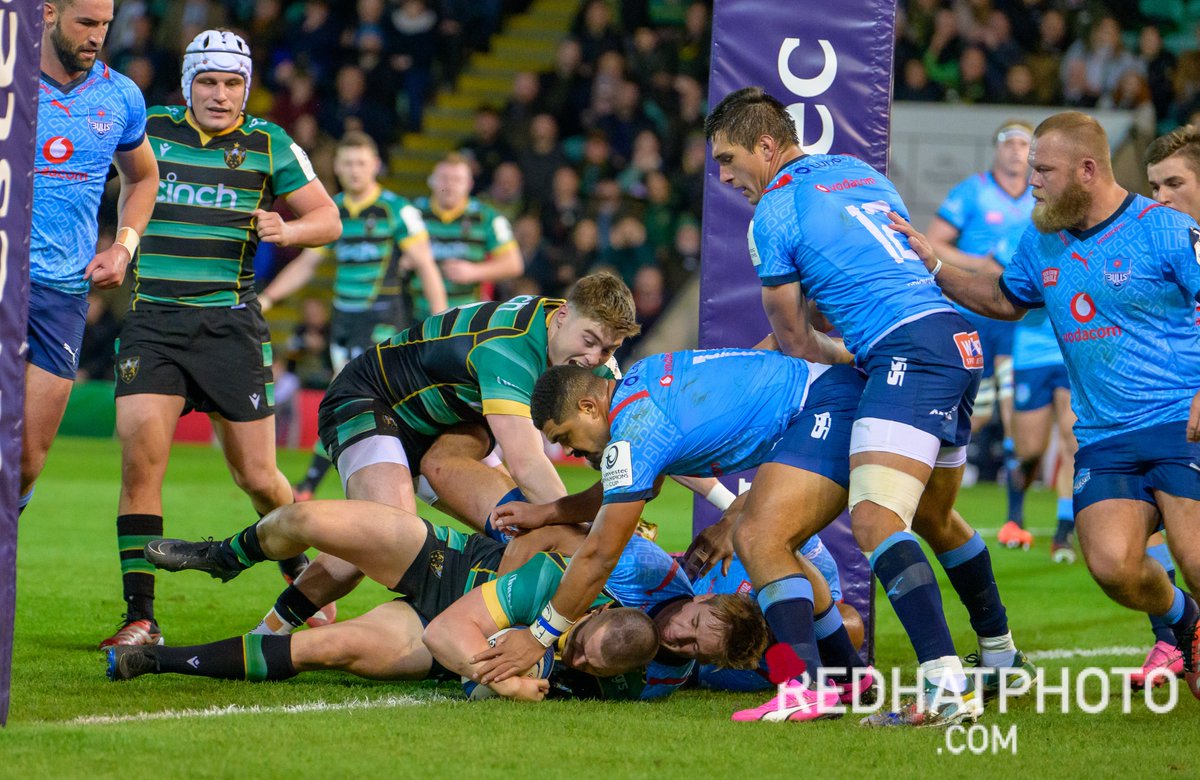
pixel 67 720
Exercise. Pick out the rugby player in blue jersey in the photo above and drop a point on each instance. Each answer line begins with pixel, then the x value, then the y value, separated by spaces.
pixel 1119 277
pixel 702 414
pixel 979 223
pixel 820 236
pixel 89 117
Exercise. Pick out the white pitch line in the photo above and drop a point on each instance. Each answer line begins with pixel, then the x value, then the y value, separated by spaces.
pixel 1084 652
pixel 387 702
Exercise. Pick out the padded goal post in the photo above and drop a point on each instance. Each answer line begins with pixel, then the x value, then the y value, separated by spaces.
pixel 834 72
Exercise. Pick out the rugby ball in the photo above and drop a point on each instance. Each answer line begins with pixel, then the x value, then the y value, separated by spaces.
pixel 541 669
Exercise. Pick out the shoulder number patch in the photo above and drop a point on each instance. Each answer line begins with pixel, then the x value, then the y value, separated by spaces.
pixel 616 467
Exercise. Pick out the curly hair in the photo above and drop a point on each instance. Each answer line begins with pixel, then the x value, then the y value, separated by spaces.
pixel 746 635
pixel 605 298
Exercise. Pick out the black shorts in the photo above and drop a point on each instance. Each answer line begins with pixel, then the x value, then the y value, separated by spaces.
pixel 218 360
pixel 354 332
pixel 450 564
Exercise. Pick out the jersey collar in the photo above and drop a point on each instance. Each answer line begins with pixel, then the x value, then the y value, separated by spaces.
pixel 70 85
pixel 205 138
pixel 450 214
pixel 1086 234
pixel 356 207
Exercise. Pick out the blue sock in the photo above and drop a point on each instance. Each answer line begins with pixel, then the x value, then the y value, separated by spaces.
pixel 969 569
pixel 24 500
pixel 833 642
pixel 1066 521
pixel 908 580
pixel 1160 627
pixel 1014 482
pixel 787 604
pixel 1182 615
pixel 513 495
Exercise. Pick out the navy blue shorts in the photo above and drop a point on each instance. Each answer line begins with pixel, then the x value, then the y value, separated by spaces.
pixel 996 337
pixel 925 374
pixel 55 332
pixel 1034 387
pixel 818 438
pixel 1133 465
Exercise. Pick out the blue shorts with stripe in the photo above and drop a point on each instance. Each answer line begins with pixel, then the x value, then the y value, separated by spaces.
pixel 55 330
pixel 1034 387
pixel 818 438
pixel 1134 465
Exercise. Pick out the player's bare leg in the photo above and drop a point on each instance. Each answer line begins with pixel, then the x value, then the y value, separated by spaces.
pixel 784 508
pixel 468 483
pixel 249 449
pixel 46 398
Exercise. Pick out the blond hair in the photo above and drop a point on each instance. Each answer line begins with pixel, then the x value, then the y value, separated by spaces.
pixel 605 298
pixel 1082 134
pixel 1184 141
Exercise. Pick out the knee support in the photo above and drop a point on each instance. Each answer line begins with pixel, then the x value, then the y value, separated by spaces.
pixel 889 488
pixel 985 399
pixel 1004 378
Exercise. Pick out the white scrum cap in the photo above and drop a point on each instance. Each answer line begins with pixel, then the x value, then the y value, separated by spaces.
pixel 218 51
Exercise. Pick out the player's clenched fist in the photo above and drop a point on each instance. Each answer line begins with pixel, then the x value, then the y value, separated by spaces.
pixel 107 269
pixel 272 227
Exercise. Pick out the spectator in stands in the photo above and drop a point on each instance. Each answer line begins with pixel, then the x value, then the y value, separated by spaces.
pixel 688 180
pixel 1001 50
pixel 298 97
pixel 540 160
pixel 1045 59
pixel 565 208
pixel 1104 58
pixel 685 118
pixel 1077 91
pixel 607 208
pixel 915 84
pixel 625 122
pixel 659 215
pixel 486 149
pixel 320 148
pixel 647 158
pixel 1159 66
pixel 350 109
pixel 519 111
pixel 314 40
pixel 582 255
pixel 971 86
pixel 539 265
pixel 684 259
pixel 944 49
pixel 597 163
pixel 596 33
pixel 648 55
pixel 99 339
pixel 696 44
pixel 649 301
pixel 140 70
pixel 1019 86
pixel 416 47
pixel 565 92
pixel 266 29
pixel 1132 93
pixel 506 193
pixel 629 251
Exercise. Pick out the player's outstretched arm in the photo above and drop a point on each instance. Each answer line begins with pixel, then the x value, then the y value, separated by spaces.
pixel 139 186
pixel 581 583
pixel 461 632
pixel 576 508
pixel 787 311
pixel 317 222
pixel 525 457
pixel 943 239
pixel 294 275
pixel 979 289
pixel 418 255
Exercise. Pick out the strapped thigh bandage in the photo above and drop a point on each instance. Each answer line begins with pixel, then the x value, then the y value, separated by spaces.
pixel 889 488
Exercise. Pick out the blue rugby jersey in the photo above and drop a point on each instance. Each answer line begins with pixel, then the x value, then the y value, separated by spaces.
pixel 79 129
pixel 823 222
pixel 1122 298
pixel 699 413
pixel 989 220
pixel 1035 344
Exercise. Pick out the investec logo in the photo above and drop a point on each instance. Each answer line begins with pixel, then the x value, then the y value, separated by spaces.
pixel 809 88
pixel 170 190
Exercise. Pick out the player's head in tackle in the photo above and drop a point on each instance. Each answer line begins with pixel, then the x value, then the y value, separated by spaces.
pixel 216 79
pixel 609 642
pixel 356 164
pixel 75 31
pixel 570 407
pixel 1173 168
pixel 599 315
pixel 1071 166
pixel 752 136
pixel 1012 147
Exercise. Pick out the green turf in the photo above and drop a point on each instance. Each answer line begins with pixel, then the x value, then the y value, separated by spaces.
pixel 69 598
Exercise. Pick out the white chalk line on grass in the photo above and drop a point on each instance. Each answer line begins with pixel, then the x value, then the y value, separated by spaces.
pixel 1085 652
pixel 387 702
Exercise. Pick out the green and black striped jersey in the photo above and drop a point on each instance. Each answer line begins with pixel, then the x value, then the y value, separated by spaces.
pixel 375 233
pixel 472 233
pixel 198 249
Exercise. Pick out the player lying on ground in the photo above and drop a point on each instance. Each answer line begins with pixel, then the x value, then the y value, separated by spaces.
pixel 433 567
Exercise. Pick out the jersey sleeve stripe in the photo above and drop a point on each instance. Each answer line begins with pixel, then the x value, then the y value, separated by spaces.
pixel 505 406
pixel 132 144
pixel 491 600
pixel 1014 299
pixel 776 281
pixel 639 395
pixel 628 498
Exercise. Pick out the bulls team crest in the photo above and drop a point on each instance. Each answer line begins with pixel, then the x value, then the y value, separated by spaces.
pixel 99 122
pixel 128 368
pixel 1117 271
pixel 235 156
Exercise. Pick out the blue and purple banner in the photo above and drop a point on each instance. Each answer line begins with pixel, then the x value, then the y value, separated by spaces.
pixel 833 69
pixel 20 47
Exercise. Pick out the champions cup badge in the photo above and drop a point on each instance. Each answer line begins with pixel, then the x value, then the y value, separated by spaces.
pixel 235 157
pixel 128 368
pixel 99 122
pixel 1117 271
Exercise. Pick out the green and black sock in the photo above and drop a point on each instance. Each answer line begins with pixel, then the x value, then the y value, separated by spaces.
pixel 251 657
pixel 137 574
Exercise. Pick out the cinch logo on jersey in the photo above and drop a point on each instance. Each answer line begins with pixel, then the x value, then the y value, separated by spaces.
pixel 845 184
pixel 172 191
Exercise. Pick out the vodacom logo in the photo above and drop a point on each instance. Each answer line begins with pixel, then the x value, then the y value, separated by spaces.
pixel 58 149
pixel 1083 308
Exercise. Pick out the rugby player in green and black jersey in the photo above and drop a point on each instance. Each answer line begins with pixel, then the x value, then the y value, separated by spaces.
pixel 194 338
pixel 472 243
pixel 383 241
pixel 453 388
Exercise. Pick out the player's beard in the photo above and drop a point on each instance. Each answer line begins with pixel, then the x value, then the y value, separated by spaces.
pixel 1068 210
pixel 67 54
